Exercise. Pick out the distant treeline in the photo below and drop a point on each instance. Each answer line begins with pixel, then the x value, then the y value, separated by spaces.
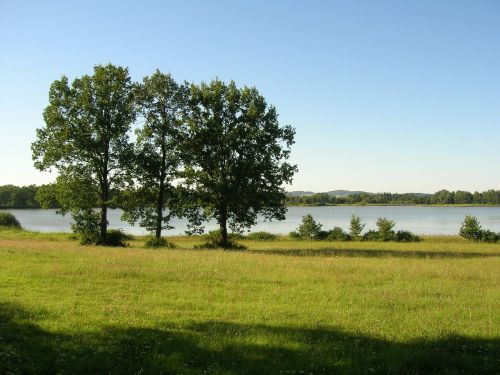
pixel 442 197
pixel 12 196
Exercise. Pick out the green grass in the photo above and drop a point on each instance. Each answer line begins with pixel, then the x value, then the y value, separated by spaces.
pixel 281 306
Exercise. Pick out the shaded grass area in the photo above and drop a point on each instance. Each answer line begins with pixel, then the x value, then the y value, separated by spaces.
pixel 26 348
pixel 70 309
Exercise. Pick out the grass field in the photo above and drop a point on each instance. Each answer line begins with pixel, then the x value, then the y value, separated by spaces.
pixel 283 306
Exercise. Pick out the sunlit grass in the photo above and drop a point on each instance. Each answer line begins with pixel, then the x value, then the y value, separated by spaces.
pixel 73 309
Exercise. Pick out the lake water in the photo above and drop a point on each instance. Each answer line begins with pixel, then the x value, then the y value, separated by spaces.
pixel 420 220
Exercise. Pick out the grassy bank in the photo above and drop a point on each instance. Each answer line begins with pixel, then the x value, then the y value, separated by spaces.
pixel 282 306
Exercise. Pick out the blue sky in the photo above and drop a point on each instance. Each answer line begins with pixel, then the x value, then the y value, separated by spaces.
pixel 385 95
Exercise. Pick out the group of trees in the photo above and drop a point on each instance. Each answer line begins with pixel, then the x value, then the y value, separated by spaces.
pixel 440 197
pixel 311 230
pixel 12 196
pixel 203 151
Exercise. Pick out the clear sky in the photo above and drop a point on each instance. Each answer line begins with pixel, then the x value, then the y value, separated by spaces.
pixel 399 96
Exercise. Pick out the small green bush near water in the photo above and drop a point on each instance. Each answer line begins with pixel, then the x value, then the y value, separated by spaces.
pixel 261 236
pixel 471 229
pixel 337 234
pixel 155 243
pixel 405 236
pixel 214 238
pixel 309 228
pixel 116 238
pixel 8 220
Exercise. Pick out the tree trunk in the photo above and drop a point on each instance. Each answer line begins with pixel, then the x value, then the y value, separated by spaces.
pixel 161 193
pixel 104 223
pixel 223 226
pixel 159 210
pixel 104 213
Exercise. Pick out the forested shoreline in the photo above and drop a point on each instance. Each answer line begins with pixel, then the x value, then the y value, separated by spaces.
pixel 12 196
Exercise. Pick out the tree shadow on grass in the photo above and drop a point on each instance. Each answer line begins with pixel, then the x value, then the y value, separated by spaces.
pixel 228 348
pixel 374 253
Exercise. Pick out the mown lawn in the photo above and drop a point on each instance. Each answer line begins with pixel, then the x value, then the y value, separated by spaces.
pixel 290 307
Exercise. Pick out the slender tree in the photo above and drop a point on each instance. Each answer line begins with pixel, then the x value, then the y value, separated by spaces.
pixel 86 140
pixel 160 102
pixel 236 154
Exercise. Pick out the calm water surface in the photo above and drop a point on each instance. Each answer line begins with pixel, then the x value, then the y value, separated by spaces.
pixel 421 220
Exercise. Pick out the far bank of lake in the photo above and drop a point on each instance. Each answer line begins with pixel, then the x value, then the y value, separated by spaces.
pixel 418 219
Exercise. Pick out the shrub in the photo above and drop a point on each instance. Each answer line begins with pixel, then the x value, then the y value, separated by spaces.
pixel 8 220
pixel 309 229
pixel 155 243
pixel 117 238
pixel 214 239
pixel 405 236
pixel 261 236
pixel 86 227
pixel 385 232
pixel 294 235
pixel 489 236
pixel 371 235
pixel 356 227
pixel 471 229
pixel 337 234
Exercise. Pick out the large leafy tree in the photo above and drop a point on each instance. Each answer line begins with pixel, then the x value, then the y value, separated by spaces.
pixel 160 102
pixel 236 156
pixel 86 140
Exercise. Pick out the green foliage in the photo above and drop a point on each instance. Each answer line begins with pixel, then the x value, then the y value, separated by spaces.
pixel 86 227
pixel 18 196
pixel 489 236
pixel 86 140
pixel 371 235
pixel 8 220
pixel 294 235
pixel 309 228
pixel 154 243
pixel 235 156
pixel 356 227
pixel 116 238
pixel 152 202
pixel 261 236
pixel 385 232
pixel 406 236
pixel 471 229
pixel 337 234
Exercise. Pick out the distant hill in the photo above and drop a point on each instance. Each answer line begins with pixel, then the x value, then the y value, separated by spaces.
pixel 336 193
pixel 345 193
pixel 299 193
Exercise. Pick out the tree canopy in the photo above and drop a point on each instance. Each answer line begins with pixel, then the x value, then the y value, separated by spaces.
pixel 235 154
pixel 86 140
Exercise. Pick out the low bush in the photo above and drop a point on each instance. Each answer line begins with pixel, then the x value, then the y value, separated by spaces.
pixel 9 221
pixel 337 234
pixel 371 235
pixel 309 228
pixel 155 243
pixel 214 236
pixel 405 236
pixel 489 236
pixel 471 229
pixel 214 240
pixel 86 227
pixel 294 235
pixel 261 236
pixel 385 232
pixel 116 238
